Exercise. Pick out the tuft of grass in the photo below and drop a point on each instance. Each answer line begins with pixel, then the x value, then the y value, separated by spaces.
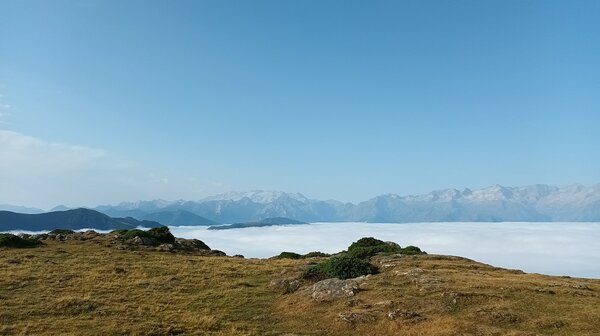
pixel 162 234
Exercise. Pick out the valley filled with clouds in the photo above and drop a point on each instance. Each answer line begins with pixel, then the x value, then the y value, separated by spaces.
pixel 549 248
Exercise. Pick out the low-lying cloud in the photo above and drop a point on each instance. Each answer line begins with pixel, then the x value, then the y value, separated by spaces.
pixel 549 248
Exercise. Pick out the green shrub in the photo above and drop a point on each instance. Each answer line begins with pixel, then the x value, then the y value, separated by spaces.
pixel 162 235
pixel 10 240
pixel 119 232
pixel 366 242
pixel 288 255
pixel 61 231
pixel 412 250
pixel 315 254
pixel 130 234
pixel 369 246
pixel 342 267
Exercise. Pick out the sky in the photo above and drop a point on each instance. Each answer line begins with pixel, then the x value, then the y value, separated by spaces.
pixel 109 101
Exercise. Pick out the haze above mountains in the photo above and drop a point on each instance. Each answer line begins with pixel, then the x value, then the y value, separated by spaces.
pixel 496 203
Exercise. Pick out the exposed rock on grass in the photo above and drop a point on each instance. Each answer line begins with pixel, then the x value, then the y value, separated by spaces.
pixel 333 289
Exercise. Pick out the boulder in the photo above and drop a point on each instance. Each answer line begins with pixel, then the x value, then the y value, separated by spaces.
pixel 352 317
pixel 333 289
pixel 287 285
pixel 145 241
pixel 191 244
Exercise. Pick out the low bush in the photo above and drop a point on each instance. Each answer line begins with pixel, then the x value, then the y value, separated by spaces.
pixel 61 231
pixel 412 250
pixel 315 254
pixel 288 255
pixel 342 267
pixel 130 234
pixel 10 240
pixel 369 246
pixel 161 234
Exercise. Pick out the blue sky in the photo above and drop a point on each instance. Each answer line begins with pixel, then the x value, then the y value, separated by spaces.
pixel 103 101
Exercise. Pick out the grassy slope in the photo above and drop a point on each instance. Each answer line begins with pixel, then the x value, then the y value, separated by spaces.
pixel 89 288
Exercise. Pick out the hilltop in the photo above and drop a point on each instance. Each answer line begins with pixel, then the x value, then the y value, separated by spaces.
pixel 70 219
pixel 97 284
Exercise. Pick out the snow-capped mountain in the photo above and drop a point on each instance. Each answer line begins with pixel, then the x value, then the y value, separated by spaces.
pixel 494 203
pixel 256 196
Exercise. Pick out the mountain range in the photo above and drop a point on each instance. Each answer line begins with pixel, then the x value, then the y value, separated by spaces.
pixel 495 203
pixel 74 219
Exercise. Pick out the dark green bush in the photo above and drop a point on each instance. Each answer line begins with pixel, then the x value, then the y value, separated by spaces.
pixel 61 231
pixel 366 242
pixel 10 240
pixel 162 235
pixel 315 254
pixel 130 234
pixel 342 267
pixel 369 246
pixel 288 255
pixel 119 232
pixel 412 250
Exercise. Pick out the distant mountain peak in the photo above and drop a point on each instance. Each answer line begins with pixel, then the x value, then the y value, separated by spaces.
pixel 256 196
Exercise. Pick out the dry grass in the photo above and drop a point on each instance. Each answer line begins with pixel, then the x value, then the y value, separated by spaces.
pixel 85 287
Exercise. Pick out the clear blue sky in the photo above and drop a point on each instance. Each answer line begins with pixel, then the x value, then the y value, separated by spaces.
pixel 334 99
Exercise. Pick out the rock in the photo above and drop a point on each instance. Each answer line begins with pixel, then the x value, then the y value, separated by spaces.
pixel 191 244
pixel 387 303
pixel 332 289
pixel 166 247
pixel 145 241
pixel 545 290
pixel 287 285
pixel 218 253
pixel 351 317
pixel 581 286
pixel 414 272
pixel 406 316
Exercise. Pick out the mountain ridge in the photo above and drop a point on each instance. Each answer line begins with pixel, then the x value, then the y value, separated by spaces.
pixel 496 203
pixel 533 203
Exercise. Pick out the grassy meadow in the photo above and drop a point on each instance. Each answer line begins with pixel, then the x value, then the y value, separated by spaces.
pixel 92 288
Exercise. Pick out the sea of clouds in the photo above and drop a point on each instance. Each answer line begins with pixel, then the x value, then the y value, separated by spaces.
pixel 550 248
pixel 571 249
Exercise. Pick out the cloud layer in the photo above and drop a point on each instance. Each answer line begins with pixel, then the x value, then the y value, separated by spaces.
pixel 548 248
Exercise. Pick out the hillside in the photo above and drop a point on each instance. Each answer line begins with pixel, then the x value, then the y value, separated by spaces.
pixel 70 219
pixel 265 222
pixel 178 218
pixel 68 286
